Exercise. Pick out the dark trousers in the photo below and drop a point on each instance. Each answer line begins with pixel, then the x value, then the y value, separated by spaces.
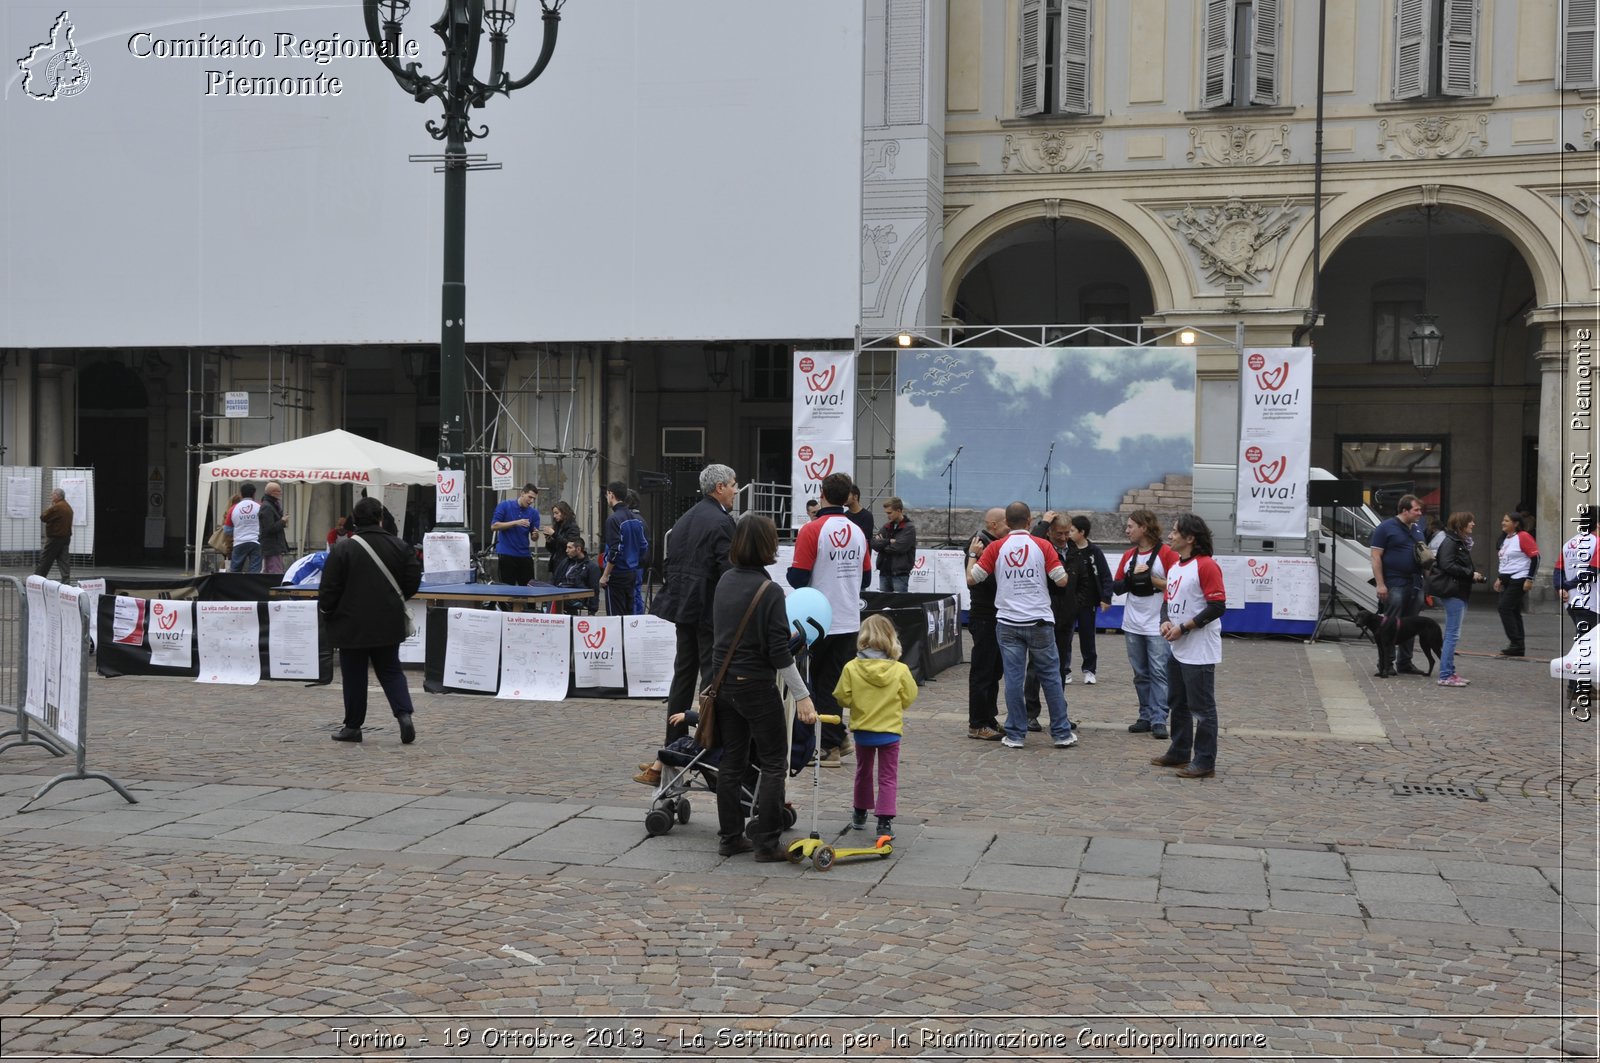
pixel 55 551
pixel 1404 600
pixel 750 724
pixel 828 658
pixel 1192 712
pixel 619 591
pixel 1030 687
pixel 691 672
pixel 515 570
pixel 1510 605
pixel 391 677
pixel 983 679
pixel 1583 621
pixel 1084 622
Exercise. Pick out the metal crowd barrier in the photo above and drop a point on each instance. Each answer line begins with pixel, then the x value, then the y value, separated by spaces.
pixel 46 678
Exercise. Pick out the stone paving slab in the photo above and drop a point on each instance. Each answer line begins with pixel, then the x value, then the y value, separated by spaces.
pixel 288 828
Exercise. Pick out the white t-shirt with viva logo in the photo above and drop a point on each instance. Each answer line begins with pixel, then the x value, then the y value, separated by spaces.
pixel 1021 566
pixel 246 521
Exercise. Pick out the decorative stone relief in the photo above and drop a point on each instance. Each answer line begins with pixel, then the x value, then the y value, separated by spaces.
pixel 1239 145
pixel 1060 151
pixel 1434 136
pixel 878 158
pixel 1589 120
pixel 1237 242
pixel 876 240
pixel 1587 209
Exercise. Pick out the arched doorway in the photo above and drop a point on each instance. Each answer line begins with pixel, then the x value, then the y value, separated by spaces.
pixel 1048 271
pixel 113 438
pixel 1463 437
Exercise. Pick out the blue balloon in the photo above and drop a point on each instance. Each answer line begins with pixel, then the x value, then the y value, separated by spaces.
pixel 809 613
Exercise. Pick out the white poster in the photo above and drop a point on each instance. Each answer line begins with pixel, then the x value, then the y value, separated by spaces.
pixel 535 656
pixel 1274 442
pixel 1272 493
pixel 414 649
pixel 230 641
pixel 50 661
pixel 950 575
pixel 1234 580
pixel 93 589
pixel 597 652
pixel 127 621
pixel 450 497
pixel 172 633
pixel 38 638
pixel 472 649
pixel 394 500
pixel 19 498
pixel 1257 579
pixel 1294 588
pixel 500 472
pixel 70 690
pixel 825 395
pixel 649 649
pixel 813 461
pixel 76 488
pixel 924 578
pixel 292 640
pixel 447 554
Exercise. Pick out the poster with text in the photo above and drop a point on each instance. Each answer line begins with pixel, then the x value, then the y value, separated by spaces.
pixel 825 395
pixel 597 652
pixel 535 656
pixel 172 633
pixel 414 649
pixel 229 635
pixel 813 462
pixel 1234 580
pixel 292 640
pixel 1271 493
pixel 1294 588
pixel 70 692
pixel 450 497
pixel 649 648
pixel 1274 442
pixel 472 649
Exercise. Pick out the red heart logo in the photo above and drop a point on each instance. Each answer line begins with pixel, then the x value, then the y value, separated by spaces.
pixel 447 485
pixel 1272 379
pixel 821 381
pixel 840 536
pixel 1272 470
pixel 819 470
pixel 919 562
pixel 169 620
pixel 595 640
pixel 1017 557
pixel 1260 570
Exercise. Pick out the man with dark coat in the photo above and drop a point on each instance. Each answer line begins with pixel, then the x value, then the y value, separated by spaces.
pixel 983 679
pixel 697 556
pixel 896 547
pixel 274 536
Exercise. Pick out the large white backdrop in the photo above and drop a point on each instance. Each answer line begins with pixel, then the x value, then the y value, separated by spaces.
pixel 682 170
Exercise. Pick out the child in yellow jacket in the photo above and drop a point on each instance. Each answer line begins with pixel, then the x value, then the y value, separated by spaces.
pixel 877 689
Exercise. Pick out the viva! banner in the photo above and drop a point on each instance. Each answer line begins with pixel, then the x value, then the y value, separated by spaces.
pixel 824 423
pixel 1274 442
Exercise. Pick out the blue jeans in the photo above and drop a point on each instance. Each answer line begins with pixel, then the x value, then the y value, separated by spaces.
pixel 894 584
pixel 1455 609
pixel 1405 599
pixel 1147 656
pixel 246 558
pixel 1035 647
pixel 1192 713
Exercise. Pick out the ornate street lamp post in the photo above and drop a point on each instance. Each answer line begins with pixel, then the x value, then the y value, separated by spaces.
pixel 458 90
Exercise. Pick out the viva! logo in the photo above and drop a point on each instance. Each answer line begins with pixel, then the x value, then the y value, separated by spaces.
pixel 595 639
pixel 1018 557
pixel 1258 569
pixel 920 562
pixel 819 470
pixel 821 381
pixel 1267 474
pixel 840 536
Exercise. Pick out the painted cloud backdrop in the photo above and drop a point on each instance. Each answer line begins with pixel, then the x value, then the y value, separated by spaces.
pixel 1121 418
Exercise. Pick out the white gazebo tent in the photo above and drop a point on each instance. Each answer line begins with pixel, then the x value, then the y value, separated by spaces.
pixel 333 458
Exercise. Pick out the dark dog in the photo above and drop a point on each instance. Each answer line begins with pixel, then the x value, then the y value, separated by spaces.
pixel 1430 640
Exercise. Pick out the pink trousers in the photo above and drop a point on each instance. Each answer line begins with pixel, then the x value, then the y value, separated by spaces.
pixel 887 759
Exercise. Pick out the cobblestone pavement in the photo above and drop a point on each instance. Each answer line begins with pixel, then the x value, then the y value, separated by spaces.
pixel 493 883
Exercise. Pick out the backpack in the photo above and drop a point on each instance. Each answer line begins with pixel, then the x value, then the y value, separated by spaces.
pixel 635 545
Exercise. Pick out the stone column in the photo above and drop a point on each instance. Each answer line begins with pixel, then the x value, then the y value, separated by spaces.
pixel 52 431
pixel 619 420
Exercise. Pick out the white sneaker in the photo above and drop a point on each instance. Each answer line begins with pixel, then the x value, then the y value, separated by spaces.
pixel 1066 680
pixel 1067 742
pixel 1010 743
pixel 1088 677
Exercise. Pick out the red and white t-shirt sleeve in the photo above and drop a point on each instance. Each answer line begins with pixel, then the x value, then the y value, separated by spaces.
pixel 805 546
pixel 1169 559
pixel 1211 584
pixel 991 553
pixel 1054 568
pixel 1526 544
pixel 1122 565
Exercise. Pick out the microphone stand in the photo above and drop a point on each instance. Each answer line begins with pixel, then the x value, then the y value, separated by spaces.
pixel 1045 483
pixel 950 496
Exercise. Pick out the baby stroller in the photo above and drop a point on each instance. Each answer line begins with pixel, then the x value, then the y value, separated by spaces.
pixel 683 764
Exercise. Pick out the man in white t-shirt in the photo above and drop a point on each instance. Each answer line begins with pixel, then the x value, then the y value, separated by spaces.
pixel 1191 612
pixel 246 520
pixel 1022 566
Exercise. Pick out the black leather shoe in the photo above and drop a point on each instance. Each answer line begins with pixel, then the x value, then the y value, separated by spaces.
pixel 735 847
pixel 347 734
pixel 1139 727
pixel 1410 669
pixel 771 856
pixel 1512 651
pixel 1033 725
pixel 1192 772
pixel 408 730
pixel 1164 761
pixel 1160 731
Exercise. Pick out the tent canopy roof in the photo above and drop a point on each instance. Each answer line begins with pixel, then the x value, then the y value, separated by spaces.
pixel 331 457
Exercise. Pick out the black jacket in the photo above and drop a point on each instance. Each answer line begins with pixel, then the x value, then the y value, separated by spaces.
pixel 579 574
pixel 697 556
pixel 273 540
pixel 1452 569
pixel 561 533
pixel 896 544
pixel 981 595
pixel 361 608
pixel 1091 574
pixel 764 649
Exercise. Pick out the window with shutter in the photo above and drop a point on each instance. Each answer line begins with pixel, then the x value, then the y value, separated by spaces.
pixel 1264 85
pixel 1458 49
pixel 1030 68
pixel 1580 68
pixel 1216 89
pixel 1072 71
pixel 1410 49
